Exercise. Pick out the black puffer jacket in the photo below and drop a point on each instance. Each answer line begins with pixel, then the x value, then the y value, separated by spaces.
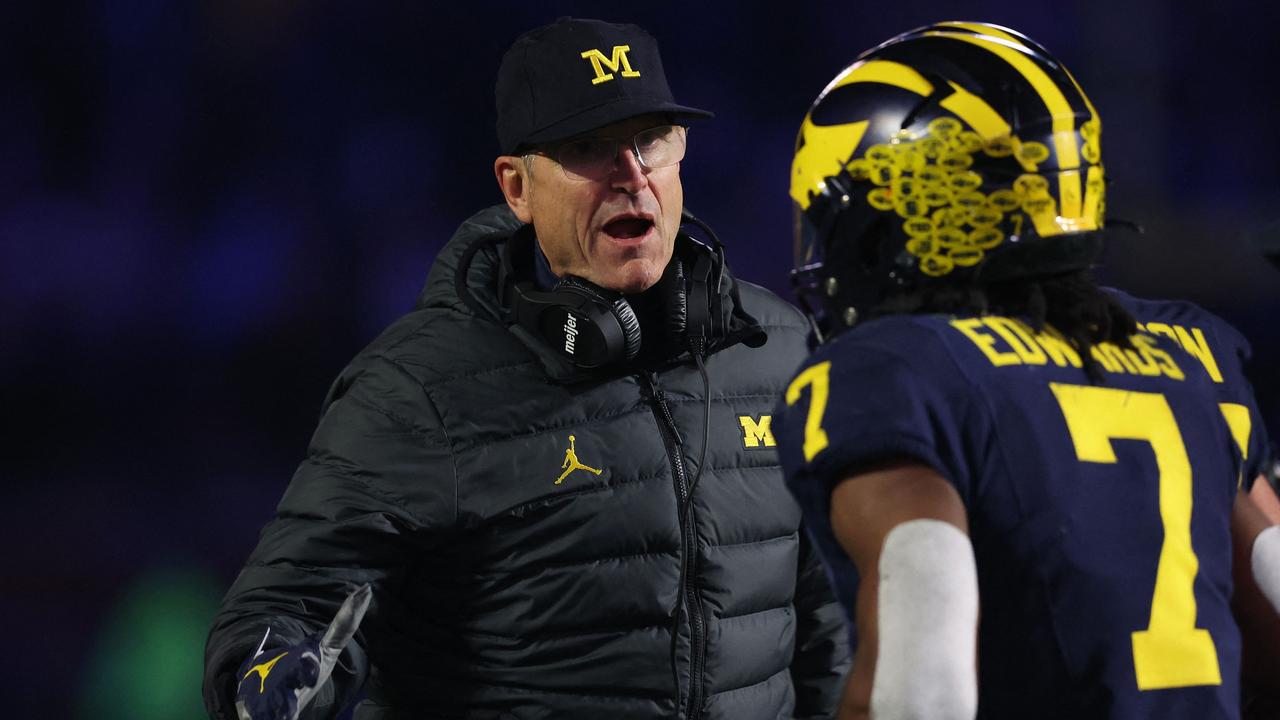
pixel 499 593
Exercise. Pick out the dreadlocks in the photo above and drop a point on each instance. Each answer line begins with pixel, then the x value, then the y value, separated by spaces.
pixel 1071 303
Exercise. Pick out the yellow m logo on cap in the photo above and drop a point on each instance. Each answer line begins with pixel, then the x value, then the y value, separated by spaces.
pixel 756 433
pixel 619 59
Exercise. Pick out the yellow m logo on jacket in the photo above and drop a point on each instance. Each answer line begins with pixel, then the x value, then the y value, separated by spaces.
pixel 756 433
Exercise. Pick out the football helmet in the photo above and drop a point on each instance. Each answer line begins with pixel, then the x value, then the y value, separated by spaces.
pixel 959 152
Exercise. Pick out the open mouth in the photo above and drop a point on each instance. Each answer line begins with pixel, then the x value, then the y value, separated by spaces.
pixel 627 227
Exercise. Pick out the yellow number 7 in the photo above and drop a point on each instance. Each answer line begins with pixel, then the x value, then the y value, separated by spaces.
pixel 1172 651
pixel 818 378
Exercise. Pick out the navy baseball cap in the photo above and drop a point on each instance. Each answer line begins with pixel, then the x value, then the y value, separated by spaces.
pixel 576 75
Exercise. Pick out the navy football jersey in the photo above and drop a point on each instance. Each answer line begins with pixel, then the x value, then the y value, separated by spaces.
pixel 1099 513
pixel 1221 351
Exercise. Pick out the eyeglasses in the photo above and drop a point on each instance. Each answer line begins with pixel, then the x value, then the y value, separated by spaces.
pixel 595 158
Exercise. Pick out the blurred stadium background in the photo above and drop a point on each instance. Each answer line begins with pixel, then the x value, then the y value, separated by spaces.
pixel 207 207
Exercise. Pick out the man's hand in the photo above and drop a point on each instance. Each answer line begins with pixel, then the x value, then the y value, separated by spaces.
pixel 278 684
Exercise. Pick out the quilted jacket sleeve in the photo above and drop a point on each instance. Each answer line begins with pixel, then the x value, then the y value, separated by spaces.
pixel 822 658
pixel 377 487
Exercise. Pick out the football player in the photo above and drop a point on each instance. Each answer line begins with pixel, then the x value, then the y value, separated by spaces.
pixel 983 431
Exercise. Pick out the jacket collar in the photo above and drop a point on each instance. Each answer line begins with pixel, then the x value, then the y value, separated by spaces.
pixel 464 278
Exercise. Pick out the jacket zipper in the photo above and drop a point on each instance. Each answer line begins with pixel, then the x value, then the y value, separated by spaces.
pixel 693 607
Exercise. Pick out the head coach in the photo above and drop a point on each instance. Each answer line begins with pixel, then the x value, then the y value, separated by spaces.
pixel 551 490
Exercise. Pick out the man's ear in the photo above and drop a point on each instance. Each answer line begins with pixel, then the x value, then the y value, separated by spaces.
pixel 514 181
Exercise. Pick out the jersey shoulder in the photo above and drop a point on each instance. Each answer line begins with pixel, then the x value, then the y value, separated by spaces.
pixel 1221 350
pixel 1194 328
pixel 918 342
pixel 890 388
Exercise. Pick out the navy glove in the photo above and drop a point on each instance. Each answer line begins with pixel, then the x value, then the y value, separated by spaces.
pixel 278 684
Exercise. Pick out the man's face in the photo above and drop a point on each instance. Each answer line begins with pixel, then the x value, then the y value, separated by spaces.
pixel 617 231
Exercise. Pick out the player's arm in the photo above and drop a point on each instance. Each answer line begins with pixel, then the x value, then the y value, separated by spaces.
pixel 1263 496
pixel 906 529
pixel 1256 540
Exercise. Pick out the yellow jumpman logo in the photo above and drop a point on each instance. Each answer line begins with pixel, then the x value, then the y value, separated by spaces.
pixel 263 671
pixel 571 463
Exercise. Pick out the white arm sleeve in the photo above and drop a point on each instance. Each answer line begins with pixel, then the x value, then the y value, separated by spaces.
pixel 1265 559
pixel 928 614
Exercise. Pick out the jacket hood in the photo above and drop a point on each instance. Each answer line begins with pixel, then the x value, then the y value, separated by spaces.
pixel 475 248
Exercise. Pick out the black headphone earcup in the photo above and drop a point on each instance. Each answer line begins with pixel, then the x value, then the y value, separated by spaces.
pixel 676 294
pixel 618 307
pixel 700 321
pixel 630 327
